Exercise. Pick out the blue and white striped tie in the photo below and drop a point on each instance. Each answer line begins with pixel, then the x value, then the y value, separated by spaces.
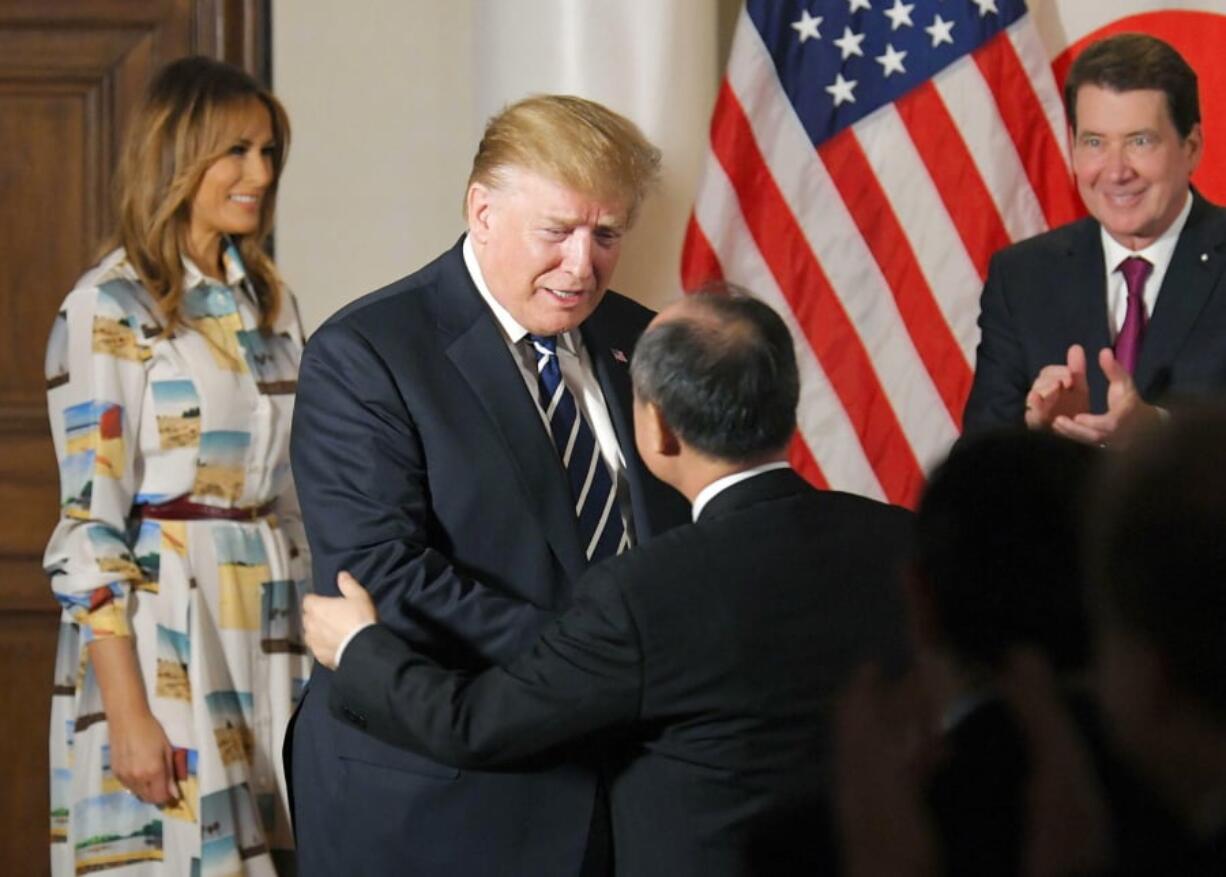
pixel 601 530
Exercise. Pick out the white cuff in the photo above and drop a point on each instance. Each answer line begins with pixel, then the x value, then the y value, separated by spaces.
pixel 340 650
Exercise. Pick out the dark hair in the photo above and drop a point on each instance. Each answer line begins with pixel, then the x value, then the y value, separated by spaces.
pixel 723 374
pixel 997 544
pixel 1134 61
pixel 1157 548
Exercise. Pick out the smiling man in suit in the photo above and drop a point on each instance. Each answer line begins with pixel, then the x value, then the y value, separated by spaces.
pixel 706 660
pixel 463 442
pixel 1138 286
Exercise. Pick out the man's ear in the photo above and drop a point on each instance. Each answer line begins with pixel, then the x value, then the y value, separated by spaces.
pixel 670 444
pixel 1194 143
pixel 667 444
pixel 478 204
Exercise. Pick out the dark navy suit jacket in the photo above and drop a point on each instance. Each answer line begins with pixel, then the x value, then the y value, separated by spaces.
pixel 1049 292
pixel 708 661
pixel 424 469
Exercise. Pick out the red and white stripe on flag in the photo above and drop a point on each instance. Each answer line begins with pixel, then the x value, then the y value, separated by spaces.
pixel 867 157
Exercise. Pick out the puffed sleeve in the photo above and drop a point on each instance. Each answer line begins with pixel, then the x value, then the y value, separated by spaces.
pixel 290 326
pixel 96 381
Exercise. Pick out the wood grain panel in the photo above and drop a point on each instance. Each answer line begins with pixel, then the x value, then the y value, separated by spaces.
pixel 28 508
pixel 27 652
pixel 46 189
pixel 25 590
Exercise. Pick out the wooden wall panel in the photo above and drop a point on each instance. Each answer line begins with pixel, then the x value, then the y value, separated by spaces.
pixel 48 190
pixel 27 649
pixel 71 74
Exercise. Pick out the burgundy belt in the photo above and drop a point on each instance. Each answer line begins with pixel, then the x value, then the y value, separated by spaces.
pixel 185 510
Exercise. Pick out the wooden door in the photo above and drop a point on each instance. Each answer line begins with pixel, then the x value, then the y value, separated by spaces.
pixel 71 73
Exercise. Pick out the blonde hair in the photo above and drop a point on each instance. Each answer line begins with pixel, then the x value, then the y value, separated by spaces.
pixel 573 141
pixel 189 112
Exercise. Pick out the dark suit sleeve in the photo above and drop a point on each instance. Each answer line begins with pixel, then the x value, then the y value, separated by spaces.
pixel 362 483
pixel 583 673
pixel 998 393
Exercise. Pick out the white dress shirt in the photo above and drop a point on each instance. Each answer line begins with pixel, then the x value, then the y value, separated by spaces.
pixel 577 372
pixel 1157 254
pixel 719 485
pixel 580 379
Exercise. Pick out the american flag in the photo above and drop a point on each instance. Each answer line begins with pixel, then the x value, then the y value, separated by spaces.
pixel 867 157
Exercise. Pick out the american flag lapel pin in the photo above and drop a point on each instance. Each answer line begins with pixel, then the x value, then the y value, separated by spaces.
pixel 619 355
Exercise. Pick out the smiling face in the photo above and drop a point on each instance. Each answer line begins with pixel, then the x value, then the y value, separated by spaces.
pixel 1132 167
pixel 231 192
pixel 546 252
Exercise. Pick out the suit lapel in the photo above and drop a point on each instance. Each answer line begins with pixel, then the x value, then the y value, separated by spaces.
pixel 612 366
pixel 1195 267
pixel 1085 292
pixel 609 345
pixel 480 354
pixel 613 375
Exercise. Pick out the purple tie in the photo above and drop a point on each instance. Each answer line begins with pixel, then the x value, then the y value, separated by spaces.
pixel 1132 333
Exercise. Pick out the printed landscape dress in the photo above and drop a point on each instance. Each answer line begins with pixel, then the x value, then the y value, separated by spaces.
pixel 212 605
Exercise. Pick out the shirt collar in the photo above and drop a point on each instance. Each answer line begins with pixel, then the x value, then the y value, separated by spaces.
pixel 719 485
pixel 510 327
pixel 236 271
pixel 1157 253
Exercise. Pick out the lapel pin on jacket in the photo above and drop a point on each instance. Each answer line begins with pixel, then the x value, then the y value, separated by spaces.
pixel 619 355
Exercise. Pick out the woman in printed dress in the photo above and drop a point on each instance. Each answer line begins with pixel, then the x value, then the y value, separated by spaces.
pixel 179 557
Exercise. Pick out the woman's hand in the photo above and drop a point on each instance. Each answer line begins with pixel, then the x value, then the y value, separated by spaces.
pixel 141 755
pixel 142 758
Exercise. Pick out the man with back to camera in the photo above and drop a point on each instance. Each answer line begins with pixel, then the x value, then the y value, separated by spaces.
pixel 1138 287
pixel 708 657
pixel 980 592
pixel 463 442
pixel 1156 562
